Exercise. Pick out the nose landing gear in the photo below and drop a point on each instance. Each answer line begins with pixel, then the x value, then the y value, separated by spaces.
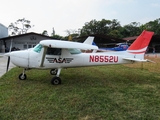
pixel 53 71
pixel 56 80
pixel 23 76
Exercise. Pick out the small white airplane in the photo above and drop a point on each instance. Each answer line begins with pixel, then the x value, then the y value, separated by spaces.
pixel 57 54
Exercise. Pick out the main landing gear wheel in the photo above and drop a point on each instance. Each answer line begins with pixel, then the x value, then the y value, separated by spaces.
pixel 22 76
pixel 53 71
pixel 56 81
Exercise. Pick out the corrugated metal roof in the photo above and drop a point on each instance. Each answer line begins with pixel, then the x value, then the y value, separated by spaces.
pixel 31 33
pixel 130 38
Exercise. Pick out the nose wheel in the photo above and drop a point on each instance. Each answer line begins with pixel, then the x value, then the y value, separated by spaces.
pixel 22 76
pixel 56 81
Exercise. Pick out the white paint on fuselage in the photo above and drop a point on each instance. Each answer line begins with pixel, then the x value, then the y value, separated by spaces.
pixel 31 59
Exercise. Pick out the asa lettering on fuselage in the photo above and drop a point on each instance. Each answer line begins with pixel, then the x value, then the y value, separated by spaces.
pixel 59 60
pixel 102 58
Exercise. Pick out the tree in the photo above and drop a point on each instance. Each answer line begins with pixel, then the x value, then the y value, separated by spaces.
pixel 72 33
pixel 132 29
pixel 57 37
pixel 53 32
pixel 90 28
pixel 21 26
pixel 104 27
pixel 114 25
pixel 153 26
pixel 115 33
pixel 45 33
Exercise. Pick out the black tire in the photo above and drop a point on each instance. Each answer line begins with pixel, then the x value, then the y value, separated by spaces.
pixel 22 77
pixel 53 71
pixel 56 81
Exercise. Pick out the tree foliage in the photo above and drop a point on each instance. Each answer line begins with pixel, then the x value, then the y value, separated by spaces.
pixel 114 29
pixel 45 32
pixel 21 26
pixel 105 27
pixel 132 29
pixel 58 37
pixel 153 26
pixel 73 33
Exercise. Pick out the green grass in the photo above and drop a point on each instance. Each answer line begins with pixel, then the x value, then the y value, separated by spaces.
pixel 89 93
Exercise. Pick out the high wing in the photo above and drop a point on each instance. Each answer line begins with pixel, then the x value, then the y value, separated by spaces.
pixel 86 45
pixel 70 45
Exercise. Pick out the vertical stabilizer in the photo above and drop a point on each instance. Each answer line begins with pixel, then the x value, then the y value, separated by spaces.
pixel 89 40
pixel 138 48
pixel 141 43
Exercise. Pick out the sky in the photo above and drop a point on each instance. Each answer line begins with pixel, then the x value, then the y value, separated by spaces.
pixel 72 15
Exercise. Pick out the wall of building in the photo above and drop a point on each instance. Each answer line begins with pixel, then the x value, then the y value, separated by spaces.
pixel 23 42
pixel 3 31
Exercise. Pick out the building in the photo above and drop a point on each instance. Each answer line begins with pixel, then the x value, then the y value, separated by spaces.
pixel 153 45
pixel 29 40
pixel 3 31
pixel 108 41
pixel 21 42
pixel 102 40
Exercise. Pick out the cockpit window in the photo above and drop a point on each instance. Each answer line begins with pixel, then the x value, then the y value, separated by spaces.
pixel 74 51
pixel 37 48
pixel 53 51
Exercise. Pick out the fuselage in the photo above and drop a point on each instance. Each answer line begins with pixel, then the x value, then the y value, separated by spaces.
pixel 67 58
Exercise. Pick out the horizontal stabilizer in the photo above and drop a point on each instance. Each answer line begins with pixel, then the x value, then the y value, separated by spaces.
pixel 138 60
pixel 150 61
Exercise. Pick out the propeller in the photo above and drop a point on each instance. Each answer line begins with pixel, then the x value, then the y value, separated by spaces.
pixel 8 63
pixel 8 54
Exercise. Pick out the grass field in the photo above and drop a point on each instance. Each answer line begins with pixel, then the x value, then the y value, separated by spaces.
pixel 120 92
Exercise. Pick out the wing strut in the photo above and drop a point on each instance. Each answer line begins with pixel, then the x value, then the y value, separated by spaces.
pixel 43 56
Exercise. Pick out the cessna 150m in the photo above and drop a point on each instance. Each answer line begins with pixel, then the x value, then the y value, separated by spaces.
pixel 57 54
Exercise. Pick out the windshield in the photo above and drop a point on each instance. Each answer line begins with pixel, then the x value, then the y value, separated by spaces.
pixel 37 48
